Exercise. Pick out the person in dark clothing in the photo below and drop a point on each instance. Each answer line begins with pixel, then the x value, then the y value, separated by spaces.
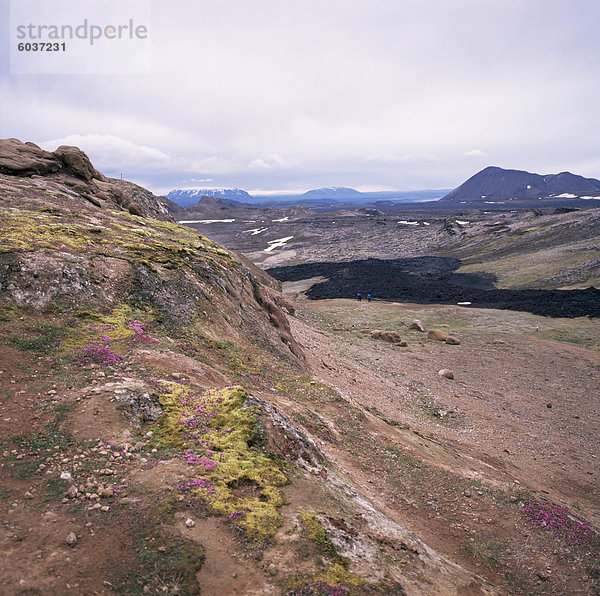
pixel 358 297
pixel 368 297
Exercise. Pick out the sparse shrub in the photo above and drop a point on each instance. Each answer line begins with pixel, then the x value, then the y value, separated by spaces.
pixel 49 337
pixel 483 550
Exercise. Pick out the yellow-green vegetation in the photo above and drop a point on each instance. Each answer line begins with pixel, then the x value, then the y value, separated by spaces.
pixel 136 238
pixel 29 230
pixel 315 532
pixel 526 269
pixel 214 431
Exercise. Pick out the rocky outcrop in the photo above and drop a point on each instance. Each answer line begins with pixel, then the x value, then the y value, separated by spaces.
pixel 70 167
pixel 27 159
pixel 68 238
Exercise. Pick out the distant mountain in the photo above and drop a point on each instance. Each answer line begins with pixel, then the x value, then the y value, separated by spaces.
pixel 335 192
pixel 213 208
pixel 190 196
pixel 495 184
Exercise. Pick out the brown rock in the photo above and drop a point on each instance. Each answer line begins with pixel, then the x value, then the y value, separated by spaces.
pixel 437 334
pixel 71 539
pixel 391 336
pixel 447 374
pixel 106 493
pixel 418 325
pixel 77 163
pixel 452 341
pixel 26 159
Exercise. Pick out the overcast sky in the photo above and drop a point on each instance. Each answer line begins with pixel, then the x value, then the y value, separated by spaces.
pixel 298 94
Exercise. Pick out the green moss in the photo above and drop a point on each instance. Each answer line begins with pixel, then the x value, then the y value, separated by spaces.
pixel 315 532
pixel 230 476
pixel 170 245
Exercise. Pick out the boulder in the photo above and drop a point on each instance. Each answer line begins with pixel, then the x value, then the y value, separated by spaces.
pixel 418 325
pixel 390 336
pixel 447 374
pixel 437 334
pixel 77 163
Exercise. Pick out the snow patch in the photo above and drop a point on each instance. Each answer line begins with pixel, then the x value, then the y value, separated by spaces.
pixel 255 231
pixel 282 219
pixel 204 221
pixel 566 195
pixel 408 223
pixel 279 243
pixel 462 223
pixel 463 303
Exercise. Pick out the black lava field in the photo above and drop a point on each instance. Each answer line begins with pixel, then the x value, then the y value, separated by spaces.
pixel 433 280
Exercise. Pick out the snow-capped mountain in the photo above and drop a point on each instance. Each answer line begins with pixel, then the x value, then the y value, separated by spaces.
pixel 190 196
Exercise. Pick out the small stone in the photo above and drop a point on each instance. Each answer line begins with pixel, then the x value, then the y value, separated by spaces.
pixel 52 392
pixel 28 495
pixel 106 493
pixel 272 569
pixel 467 493
pixel 105 508
pixel 71 539
pixel 176 375
pixel 512 499
pixel 447 374
pixel 548 405
pixel 95 506
pixel 66 476
pixel 190 523
pixel 129 500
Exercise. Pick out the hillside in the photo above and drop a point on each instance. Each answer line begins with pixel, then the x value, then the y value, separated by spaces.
pixel 162 431
pixel 172 423
pixel 494 184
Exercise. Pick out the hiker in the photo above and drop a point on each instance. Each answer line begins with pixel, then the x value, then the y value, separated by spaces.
pixel 368 297
pixel 358 297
